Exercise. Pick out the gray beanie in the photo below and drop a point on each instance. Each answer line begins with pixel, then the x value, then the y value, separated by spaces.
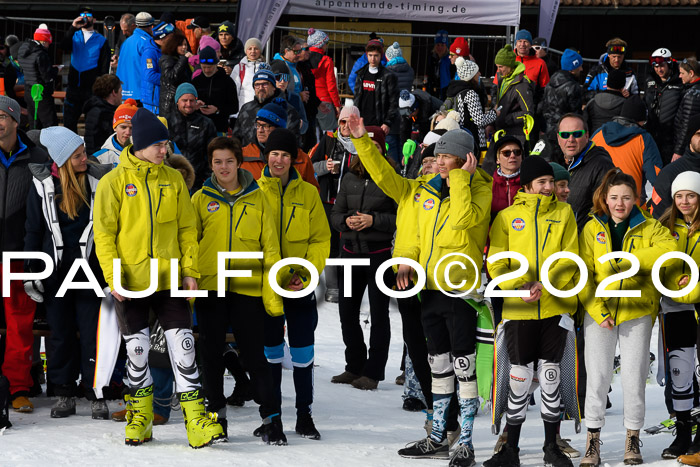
pixel 10 106
pixel 60 142
pixel 456 143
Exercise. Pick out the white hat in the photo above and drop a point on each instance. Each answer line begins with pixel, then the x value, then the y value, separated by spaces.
pixel 430 138
pixel 451 122
pixel 466 69
pixel 686 181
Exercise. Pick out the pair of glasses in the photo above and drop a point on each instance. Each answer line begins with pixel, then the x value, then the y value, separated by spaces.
pixel 261 84
pixel 296 51
pixel 568 134
pixel 282 77
pixel 263 126
pixel 515 152
pixel 617 49
pixel 343 122
pixel 86 15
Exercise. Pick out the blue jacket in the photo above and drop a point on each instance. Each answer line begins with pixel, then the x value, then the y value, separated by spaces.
pixel 362 61
pixel 150 78
pixel 129 69
pixel 298 86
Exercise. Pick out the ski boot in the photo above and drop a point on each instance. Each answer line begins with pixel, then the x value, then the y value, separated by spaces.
pixel 139 417
pixel 202 427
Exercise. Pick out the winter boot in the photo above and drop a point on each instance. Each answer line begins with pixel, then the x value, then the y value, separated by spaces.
pixel 633 455
pixel 306 428
pixel 690 459
pixel 681 444
pixel 139 417
pixel 272 431
pixel 566 448
pixel 413 404
pixel 401 379
pixel 592 456
pixel 426 448
pixel 553 457
pixel 462 456
pixel 64 406
pixel 344 378
pixel 99 408
pixel 365 383
pixel 22 404
pixel 506 457
pixel 695 445
pixel 202 428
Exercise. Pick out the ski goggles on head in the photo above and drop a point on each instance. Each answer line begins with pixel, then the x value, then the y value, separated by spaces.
pixel 657 61
pixel 568 134
pixel 617 49
pixel 209 61
pixel 282 77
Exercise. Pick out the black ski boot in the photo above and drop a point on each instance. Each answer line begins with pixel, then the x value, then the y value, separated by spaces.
pixel 273 432
pixel 306 428
pixel 553 457
pixel 506 457
pixel 681 444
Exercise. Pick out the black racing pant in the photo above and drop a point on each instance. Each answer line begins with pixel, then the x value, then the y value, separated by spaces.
pixel 172 312
pixel 529 340
pixel 245 315
pixel 414 338
pixel 449 324
pixel 356 357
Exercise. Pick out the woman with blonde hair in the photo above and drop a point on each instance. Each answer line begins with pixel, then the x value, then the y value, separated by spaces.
pixel 59 223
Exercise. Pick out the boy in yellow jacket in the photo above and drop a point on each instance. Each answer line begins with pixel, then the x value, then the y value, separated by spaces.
pixel 536 225
pixel 142 213
pixel 303 233
pixel 233 214
pixel 452 213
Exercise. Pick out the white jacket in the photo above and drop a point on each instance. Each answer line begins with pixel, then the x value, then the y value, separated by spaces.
pixel 242 75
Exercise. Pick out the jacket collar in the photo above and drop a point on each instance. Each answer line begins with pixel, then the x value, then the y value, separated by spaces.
pixel 532 201
pixel 212 188
pixel 130 161
pixel 636 218
pixel 579 159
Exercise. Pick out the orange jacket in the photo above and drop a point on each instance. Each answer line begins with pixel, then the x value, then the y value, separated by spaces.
pixel 254 162
pixel 189 34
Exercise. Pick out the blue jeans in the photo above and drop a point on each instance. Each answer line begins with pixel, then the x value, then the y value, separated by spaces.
pixel 394 152
pixel 162 390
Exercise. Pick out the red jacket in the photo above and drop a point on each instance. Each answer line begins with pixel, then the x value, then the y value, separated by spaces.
pixel 254 162
pixel 504 190
pixel 326 86
pixel 535 69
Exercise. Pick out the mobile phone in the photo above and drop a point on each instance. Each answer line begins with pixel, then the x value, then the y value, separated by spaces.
pixel 222 62
pixel 498 109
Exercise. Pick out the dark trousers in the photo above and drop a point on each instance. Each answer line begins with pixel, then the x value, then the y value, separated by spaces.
pixel 172 312
pixel 73 107
pixel 356 359
pixel 414 338
pixel 46 114
pixel 245 315
pixel 301 316
pixel 77 311
pixel 449 324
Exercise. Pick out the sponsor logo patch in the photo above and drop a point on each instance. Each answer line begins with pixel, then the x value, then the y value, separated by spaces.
pixel 131 190
pixel 416 197
pixel 213 206
pixel 600 238
pixel 429 204
pixel 676 236
pixel 518 224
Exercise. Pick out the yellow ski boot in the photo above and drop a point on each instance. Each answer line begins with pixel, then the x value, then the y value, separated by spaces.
pixel 139 417
pixel 202 427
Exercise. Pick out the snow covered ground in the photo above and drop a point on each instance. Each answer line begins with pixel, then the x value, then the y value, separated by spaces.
pixel 358 428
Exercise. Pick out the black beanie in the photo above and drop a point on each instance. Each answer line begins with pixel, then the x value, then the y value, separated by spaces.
pixel 616 79
pixel 428 151
pixel 503 140
pixel 634 109
pixel 282 139
pixel 534 167
pixel 147 130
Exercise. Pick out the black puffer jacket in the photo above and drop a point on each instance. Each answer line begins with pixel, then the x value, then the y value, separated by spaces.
pixel 219 90
pixel 689 106
pixel 602 108
pixel 586 176
pixel 662 198
pixel 15 183
pixel 234 53
pixel 329 148
pixel 563 94
pixel 245 124
pixel 99 115
pixel 174 70
pixel 192 134
pixel 386 97
pixel 516 102
pixel 662 99
pixel 363 195
pixel 37 66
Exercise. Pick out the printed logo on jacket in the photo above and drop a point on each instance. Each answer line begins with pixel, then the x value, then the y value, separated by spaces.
pixel 131 190
pixel 429 204
pixel 518 224
pixel 600 237
pixel 213 206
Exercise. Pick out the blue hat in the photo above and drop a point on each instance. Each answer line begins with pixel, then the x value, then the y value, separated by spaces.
pixel 570 60
pixel 523 34
pixel 147 129
pixel 441 37
pixel 185 88
pixel 274 113
pixel 265 75
pixel 60 142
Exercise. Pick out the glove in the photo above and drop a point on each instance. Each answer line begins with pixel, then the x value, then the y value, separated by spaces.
pixel 34 289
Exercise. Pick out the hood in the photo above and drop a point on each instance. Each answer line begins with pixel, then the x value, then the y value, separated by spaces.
pixel 561 78
pixel 533 201
pixel 398 64
pixel 620 131
pixel 95 101
pixel 609 99
pixel 182 165
pixel 457 86
pixel 28 48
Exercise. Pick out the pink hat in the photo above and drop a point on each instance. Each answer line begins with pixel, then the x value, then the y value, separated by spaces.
pixel 348 110
pixel 207 41
pixel 42 33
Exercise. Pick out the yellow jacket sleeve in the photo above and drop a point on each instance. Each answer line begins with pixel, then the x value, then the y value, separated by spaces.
pixel 499 243
pixel 319 238
pixel 661 242
pixel 391 183
pixel 470 200
pixel 106 226
pixel 187 232
pixel 269 239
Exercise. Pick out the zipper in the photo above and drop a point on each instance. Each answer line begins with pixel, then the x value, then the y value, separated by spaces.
pixel 617 307
pixel 443 225
pixel 230 239
pixel 294 208
pixel 239 217
pixel 432 240
pixel 150 208
pixel 537 254
pixel 549 227
pixel 160 197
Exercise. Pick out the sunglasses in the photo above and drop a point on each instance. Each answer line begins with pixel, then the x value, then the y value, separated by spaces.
pixel 538 47
pixel 86 15
pixel 209 61
pixel 568 134
pixel 617 49
pixel 282 77
pixel 305 49
pixel 342 122
pixel 515 152
pixel 296 51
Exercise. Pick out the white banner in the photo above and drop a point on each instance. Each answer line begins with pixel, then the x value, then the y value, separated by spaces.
pixel 494 12
pixel 258 18
pixel 548 16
